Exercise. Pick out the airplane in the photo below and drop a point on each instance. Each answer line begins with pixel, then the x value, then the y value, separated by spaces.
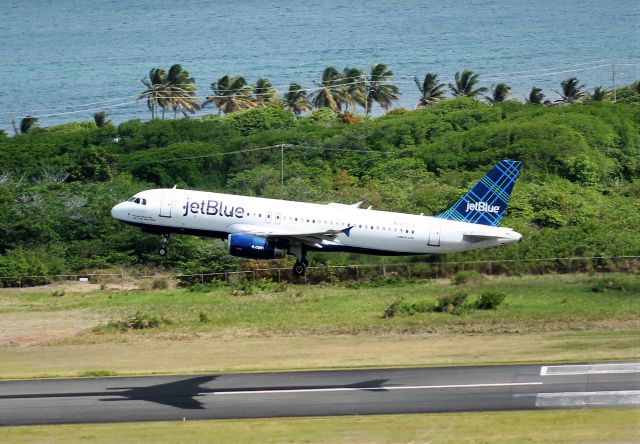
pixel 261 228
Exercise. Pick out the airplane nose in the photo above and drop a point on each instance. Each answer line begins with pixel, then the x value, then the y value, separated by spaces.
pixel 119 211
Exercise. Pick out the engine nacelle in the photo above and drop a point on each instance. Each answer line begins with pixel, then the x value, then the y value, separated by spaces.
pixel 254 247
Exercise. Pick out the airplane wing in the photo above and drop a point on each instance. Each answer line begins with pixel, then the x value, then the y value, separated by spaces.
pixel 312 238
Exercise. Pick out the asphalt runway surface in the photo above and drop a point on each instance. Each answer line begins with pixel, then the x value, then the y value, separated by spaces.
pixel 319 393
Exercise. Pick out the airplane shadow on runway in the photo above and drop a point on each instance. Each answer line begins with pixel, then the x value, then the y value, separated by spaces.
pixel 182 393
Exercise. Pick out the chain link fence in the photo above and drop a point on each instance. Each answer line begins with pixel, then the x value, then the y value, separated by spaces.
pixel 342 273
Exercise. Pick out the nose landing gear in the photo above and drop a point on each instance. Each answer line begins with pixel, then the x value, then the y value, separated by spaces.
pixel 166 240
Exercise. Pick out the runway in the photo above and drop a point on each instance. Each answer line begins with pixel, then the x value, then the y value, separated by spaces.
pixel 319 393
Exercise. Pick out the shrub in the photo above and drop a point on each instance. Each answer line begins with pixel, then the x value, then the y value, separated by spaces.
pixel 581 169
pixel 160 284
pixel 139 321
pixel 206 287
pixel 549 218
pixel 451 303
pixel 392 309
pixel 260 119
pixel 490 300
pixel 629 282
pixel 204 317
pixel 467 277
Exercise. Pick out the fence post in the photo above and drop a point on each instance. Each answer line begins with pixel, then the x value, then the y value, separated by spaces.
pixel 384 270
pixel 121 281
pixel 409 270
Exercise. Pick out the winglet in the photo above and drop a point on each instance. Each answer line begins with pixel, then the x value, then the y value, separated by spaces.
pixel 486 202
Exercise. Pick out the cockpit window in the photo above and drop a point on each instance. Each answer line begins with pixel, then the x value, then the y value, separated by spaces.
pixel 137 200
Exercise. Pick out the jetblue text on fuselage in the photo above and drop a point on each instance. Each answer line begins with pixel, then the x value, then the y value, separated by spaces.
pixel 213 208
pixel 482 207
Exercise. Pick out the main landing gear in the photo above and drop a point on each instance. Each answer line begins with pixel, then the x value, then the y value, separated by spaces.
pixel 300 267
pixel 166 240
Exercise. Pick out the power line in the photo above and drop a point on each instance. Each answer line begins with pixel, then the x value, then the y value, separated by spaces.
pixel 252 150
pixel 316 87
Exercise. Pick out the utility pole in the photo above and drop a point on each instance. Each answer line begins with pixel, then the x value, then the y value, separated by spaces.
pixel 613 75
pixel 282 165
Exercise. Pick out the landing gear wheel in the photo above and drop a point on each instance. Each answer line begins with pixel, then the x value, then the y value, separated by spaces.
pixel 299 268
pixel 305 262
pixel 166 240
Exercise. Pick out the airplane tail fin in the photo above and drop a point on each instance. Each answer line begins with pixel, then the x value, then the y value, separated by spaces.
pixel 486 202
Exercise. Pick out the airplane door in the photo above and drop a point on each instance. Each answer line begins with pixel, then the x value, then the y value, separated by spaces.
pixel 268 218
pixel 434 234
pixel 165 205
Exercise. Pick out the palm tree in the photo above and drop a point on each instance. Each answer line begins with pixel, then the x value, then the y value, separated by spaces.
pixel 155 92
pixel 430 90
pixel 355 85
pixel 331 92
pixel 101 119
pixel 231 94
pixel 499 93
pixel 379 89
pixel 465 83
pixel 265 93
pixel 296 99
pixel 599 94
pixel 180 91
pixel 571 91
pixel 535 96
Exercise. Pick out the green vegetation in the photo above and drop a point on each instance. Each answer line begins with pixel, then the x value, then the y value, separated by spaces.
pixel 492 305
pixel 549 426
pixel 263 325
pixel 579 194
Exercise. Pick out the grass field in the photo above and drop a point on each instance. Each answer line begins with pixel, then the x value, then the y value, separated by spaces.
pixel 269 327
pixel 550 426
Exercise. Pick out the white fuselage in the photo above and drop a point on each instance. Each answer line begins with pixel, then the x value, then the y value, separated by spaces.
pixel 374 232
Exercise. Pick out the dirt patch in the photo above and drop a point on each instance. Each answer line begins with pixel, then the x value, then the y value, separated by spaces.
pixel 21 329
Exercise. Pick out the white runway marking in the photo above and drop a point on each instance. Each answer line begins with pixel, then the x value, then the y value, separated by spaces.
pixel 589 369
pixel 587 399
pixel 376 388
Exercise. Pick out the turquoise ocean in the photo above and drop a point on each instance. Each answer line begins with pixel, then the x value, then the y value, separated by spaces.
pixel 62 60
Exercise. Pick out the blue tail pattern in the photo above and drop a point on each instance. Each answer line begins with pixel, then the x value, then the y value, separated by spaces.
pixel 486 202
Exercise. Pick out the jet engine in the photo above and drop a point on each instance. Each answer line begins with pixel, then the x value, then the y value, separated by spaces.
pixel 254 247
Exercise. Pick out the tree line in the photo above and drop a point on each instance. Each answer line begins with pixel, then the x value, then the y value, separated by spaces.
pixel 337 90
pixel 342 92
